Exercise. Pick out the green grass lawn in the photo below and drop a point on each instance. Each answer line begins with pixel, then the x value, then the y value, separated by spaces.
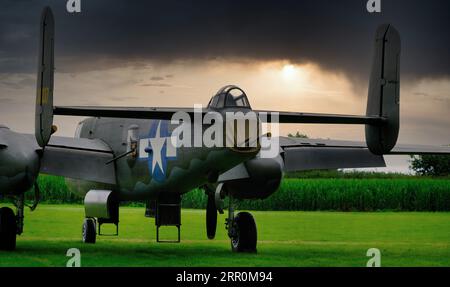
pixel 285 239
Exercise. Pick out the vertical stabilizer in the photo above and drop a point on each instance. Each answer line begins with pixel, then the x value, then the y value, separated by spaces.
pixel 384 91
pixel 44 93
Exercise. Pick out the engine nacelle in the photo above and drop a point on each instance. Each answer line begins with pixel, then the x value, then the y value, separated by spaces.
pixel 19 162
pixel 101 204
pixel 265 176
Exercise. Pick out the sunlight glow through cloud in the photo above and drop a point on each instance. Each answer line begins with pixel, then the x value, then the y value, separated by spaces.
pixel 270 85
pixel 289 72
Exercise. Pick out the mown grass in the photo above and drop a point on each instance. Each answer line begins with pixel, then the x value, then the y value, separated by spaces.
pixel 285 238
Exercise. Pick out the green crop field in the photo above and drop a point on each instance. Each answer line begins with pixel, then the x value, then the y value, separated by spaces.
pixel 353 191
pixel 286 238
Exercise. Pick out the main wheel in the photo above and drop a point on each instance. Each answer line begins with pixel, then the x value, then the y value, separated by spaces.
pixel 8 229
pixel 245 234
pixel 89 230
pixel 211 217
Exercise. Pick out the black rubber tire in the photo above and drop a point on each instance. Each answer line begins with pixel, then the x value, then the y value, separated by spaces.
pixel 211 217
pixel 8 229
pixel 246 237
pixel 89 232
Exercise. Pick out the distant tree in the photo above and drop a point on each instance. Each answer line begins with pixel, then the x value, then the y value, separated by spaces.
pixel 298 135
pixel 433 165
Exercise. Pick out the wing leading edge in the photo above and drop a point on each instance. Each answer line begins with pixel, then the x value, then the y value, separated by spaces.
pixel 308 154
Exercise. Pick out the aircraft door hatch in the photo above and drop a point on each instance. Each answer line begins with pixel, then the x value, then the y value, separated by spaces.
pixel 168 213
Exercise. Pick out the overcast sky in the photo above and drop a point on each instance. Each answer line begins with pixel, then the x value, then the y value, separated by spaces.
pixel 311 56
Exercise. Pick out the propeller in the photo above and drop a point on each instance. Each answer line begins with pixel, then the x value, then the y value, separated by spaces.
pixel 211 216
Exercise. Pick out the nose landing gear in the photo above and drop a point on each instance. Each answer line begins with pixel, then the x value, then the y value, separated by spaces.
pixel 241 230
pixel 244 234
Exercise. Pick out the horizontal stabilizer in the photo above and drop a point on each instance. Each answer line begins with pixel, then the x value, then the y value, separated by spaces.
pixel 122 112
pixel 312 118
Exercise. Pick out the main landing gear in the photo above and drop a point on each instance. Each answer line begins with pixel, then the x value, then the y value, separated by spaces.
pixel 89 230
pixel 11 224
pixel 241 228
pixel 101 207
pixel 8 229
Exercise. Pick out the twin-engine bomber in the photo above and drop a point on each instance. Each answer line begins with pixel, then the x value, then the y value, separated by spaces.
pixel 127 154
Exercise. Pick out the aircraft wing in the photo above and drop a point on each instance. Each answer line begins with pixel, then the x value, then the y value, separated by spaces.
pixel 420 149
pixel 79 158
pixel 308 154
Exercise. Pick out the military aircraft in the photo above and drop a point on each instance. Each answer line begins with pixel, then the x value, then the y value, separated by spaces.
pixel 126 154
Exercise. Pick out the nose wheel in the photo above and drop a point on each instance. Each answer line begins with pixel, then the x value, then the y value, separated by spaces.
pixel 244 237
pixel 241 230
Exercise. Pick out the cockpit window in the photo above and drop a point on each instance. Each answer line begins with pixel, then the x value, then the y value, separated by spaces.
pixel 221 102
pixel 236 98
pixel 214 101
pixel 229 96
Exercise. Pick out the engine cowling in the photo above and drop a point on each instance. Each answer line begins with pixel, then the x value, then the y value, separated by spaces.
pixel 265 176
pixel 19 162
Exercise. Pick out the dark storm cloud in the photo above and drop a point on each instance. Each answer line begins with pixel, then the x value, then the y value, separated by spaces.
pixel 335 34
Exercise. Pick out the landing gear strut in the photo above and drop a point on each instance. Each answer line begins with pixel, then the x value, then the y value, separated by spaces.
pixel 20 204
pixel 241 230
pixel 12 224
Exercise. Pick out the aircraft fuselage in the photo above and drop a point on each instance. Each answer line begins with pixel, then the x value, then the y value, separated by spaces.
pixel 157 165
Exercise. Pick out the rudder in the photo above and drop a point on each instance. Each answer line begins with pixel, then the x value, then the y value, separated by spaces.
pixel 384 91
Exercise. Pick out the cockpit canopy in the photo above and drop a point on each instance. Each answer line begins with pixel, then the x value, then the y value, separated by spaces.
pixel 229 97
